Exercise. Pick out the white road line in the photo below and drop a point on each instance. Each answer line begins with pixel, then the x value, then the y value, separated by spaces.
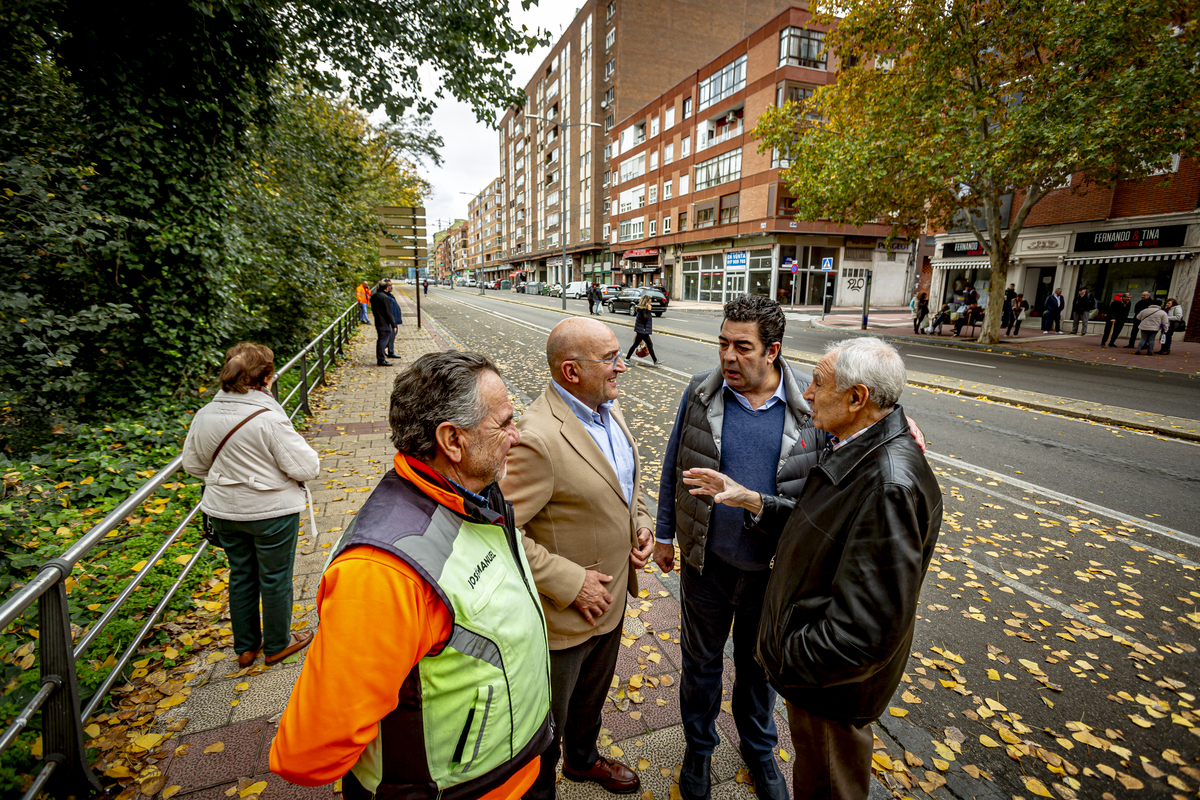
pixel 518 341
pixel 1073 502
pixel 1045 599
pixel 952 361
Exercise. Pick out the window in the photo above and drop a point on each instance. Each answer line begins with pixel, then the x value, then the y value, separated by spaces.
pixel 608 154
pixel 786 206
pixel 666 190
pixel 1171 167
pixel 610 94
pixel 653 194
pixel 683 184
pixel 606 230
pixel 668 154
pixel 631 199
pixel 654 126
pixel 669 118
pixel 683 221
pixel 687 107
pixel 729 209
pixel 790 92
pixel 612 9
pixel 551 220
pixel 608 123
pixel 633 168
pixel 631 229
pixel 552 198
pixel 610 68
pixel 685 147
pixel 666 225
pixel 607 173
pixel 607 205
pixel 652 231
pixel 610 38
pixel 802 48
pixel 704 215
pixel 654 159
pixel 780 161
pixel 727 81
pixel 551 177
pixel 721 169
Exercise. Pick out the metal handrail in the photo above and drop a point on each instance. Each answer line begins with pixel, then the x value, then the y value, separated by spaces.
pixel 65 771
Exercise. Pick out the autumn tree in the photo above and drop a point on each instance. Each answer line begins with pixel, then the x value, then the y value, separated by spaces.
pixel 942 110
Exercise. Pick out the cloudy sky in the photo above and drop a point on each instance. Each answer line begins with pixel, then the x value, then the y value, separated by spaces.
pixel 471 156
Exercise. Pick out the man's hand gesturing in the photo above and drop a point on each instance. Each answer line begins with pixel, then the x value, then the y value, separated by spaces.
pixel 593 599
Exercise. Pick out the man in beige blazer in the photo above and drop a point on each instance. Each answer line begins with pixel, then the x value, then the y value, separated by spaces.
pixel 574 482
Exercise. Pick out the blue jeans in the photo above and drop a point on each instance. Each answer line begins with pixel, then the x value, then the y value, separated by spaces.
pixel 362 312
pixel 261 554
pixel 722 596
pixel 1147 342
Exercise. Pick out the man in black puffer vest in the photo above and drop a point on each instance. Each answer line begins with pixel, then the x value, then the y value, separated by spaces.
pixel 747 419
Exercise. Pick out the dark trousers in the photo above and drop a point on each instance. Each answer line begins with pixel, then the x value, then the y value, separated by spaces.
pixel 1166 347
pixel 1112 329
pixel 1133 331
pixel 917 323
pixel 580 677
pixel 1052 319
pixel 833 759
pixel 384 332
pixel 261 554
pixel 391 342
pixel 721 596
pixel 641 337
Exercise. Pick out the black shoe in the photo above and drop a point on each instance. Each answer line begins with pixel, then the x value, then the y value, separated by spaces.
pixel 768 783
pixel 695 779
pixel 384 364
pixel 391 355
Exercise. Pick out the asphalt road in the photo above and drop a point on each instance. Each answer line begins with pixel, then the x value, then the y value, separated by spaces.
pixel 1173 394
pixel 1056 649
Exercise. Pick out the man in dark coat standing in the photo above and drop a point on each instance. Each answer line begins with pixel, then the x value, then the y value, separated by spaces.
pixel 841 604
pixel 1080 312
pixel 381 310
pixel 1052 312
pixel 1118 312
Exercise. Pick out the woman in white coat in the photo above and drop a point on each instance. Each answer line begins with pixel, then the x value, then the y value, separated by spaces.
pixel 254 496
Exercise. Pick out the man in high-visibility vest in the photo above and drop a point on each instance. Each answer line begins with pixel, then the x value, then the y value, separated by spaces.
pixel 364 300
pixel 429 676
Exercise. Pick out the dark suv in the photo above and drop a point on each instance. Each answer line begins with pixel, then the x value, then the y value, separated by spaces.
pixel 626 300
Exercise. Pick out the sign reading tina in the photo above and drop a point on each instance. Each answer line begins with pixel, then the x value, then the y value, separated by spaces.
pixel 1129 238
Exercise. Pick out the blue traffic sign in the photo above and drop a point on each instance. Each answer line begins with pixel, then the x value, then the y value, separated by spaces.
pixel 827 264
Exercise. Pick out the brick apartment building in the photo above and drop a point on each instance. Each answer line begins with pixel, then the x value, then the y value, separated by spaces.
pixel 1132 237
pixel 485 234
pixel 697 208
pixel 614 57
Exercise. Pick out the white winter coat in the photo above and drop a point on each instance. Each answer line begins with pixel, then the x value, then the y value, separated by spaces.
pixel 258 472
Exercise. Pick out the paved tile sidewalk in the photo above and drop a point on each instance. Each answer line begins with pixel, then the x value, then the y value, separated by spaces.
pixel 641 722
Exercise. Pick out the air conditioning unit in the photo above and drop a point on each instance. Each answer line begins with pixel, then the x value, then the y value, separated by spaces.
pixel 604 104
pixel 730 118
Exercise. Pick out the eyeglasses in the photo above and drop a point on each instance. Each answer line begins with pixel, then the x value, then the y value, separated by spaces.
pixel 610 361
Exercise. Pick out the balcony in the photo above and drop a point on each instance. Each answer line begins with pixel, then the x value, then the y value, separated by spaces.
pixel 727 133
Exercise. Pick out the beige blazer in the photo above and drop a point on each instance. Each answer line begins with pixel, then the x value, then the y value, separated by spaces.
pixel 569 504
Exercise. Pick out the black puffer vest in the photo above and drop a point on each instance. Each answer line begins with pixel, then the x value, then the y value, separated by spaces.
pixel 800 449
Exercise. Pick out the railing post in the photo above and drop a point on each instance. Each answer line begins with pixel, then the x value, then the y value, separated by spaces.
pixel 321 358
pixel 304 384
pixel 341 335
pixel 62 730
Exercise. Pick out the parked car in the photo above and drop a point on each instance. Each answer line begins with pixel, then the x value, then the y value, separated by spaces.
pixel 609 291
pixel 556 290
pixel 494 285
pixel 626 300
pixel 577 289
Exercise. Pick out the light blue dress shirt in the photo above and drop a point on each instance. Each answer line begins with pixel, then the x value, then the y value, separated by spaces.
pixel 780 396
pixel 607 435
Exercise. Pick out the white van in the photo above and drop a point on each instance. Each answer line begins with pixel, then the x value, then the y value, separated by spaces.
pixel 577 289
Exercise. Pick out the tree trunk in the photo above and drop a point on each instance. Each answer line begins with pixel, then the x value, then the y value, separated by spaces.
pixel 989 332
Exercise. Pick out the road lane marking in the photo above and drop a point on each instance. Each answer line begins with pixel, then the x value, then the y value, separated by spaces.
pixel 1071 502
pixel 952 361
pixel 518 341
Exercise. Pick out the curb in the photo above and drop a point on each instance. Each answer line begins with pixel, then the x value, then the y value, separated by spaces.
pixel 1171 427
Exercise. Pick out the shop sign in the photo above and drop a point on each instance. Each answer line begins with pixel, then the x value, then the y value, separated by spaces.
pixel 1130 238
pixel 1042 244
pixel 962 249
pixel 646 251
pixel 898 246
pixel 738 259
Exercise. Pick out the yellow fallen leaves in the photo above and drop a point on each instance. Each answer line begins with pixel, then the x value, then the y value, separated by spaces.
pixel 1034 786
pixel 988 741
pixel 214 657
pixel 254 788
pixel 898 712
pixel 171 791
pixel 147 742
pixel 92 730
pixel 615 751
pixel 215 747
pixel 784 755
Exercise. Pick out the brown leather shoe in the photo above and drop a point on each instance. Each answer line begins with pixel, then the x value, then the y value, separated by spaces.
pixel 298 643
pixel 612 775
pixel 247 658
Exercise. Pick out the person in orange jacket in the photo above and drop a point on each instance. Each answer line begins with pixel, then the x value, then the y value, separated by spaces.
pixel 364 299
pixel 429 639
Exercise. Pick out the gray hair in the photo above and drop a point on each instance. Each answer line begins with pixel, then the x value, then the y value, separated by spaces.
pixel 438 387
pixel 872 362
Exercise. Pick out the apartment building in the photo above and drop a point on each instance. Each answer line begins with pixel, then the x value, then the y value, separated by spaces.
pixel 485 232
pixel 698 209
pixel 614 57
pixel 1131 237
pixel 443 251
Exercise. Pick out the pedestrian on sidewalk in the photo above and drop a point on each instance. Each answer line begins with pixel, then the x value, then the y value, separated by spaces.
pixel 841 603
pixel 429 638
pixel 1116 315
pixel 596 297
pixel 920 309
pixel 587 291
pixel 575 483
pixel 425 286
pixel 643 325
pixel 1174 323
pixel 253 463
pixel 381 310
pixel 1151 322
pixel 1052 312
pixel 1138 308
pixel 1081 311
pixel 748 419
pixel 363 294
pixel 1018 310
pixel 390 350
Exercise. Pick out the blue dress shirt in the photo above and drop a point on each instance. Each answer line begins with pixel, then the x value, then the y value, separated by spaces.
pixel 607 435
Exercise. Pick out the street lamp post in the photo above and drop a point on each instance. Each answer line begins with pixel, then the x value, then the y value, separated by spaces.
pixel 563 198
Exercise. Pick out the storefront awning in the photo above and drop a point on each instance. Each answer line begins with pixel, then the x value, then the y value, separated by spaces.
pixel 1117 258
pixel 962 263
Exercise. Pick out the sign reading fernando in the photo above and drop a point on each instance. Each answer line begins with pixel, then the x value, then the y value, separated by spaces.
pixel 1130 238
